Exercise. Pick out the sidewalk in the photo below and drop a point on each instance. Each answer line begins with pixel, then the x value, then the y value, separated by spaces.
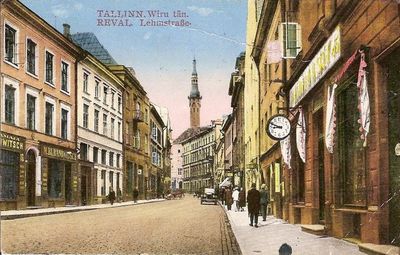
pixel 15 214
pixel 271 234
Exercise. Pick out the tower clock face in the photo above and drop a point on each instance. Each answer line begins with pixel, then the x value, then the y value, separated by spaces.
pixel 278 127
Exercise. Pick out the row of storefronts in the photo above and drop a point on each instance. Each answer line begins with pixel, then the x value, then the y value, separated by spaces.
pixel 339 166
pixel 75 125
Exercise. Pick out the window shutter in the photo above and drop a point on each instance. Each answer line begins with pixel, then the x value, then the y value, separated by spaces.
pixel 290 36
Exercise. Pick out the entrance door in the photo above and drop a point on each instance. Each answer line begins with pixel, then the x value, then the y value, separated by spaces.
pixel 84 183
pixel 393 96
pixel 31 178
pixel 318 116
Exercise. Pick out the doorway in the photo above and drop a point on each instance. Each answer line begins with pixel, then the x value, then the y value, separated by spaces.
pixel 31 178
pixel 68 184
pixel 319 161
pixel 393 99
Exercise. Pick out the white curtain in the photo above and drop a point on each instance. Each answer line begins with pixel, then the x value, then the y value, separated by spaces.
pixel 286 151
pixel 301 135
pixel 363 99
pixel 330 121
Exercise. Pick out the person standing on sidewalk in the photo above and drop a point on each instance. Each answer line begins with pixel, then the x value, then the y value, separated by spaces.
pixel 111 196
pixel 228 198
pixel 253 200
pixel 235 196
pixel 135 195
pixel 264 201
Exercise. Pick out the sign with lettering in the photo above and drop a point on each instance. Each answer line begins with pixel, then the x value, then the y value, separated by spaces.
pixel 277 171
pixel 323 61
pixel 12 142
pixel 59 153
pixel 397 149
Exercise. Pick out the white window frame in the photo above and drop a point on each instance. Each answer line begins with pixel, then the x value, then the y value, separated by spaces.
pixel 52 101
pixel 105 88
pixel 68 108
pixel 97 82
pixel 15 84
pixel 83 115
pixel 112 127
pixel 16 65
pixel 68 77
pixel 35 75
pixel 54 69
pixel 298 39
pixel 105 130
pixel 35 93
pixel 87 81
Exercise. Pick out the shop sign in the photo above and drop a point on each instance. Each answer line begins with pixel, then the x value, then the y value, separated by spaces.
pixel 397 149
pixel 323 61
pixel 58 153
pixel 139 171
pixel 12 142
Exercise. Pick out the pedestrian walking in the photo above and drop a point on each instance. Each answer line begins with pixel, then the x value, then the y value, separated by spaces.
pixel 228 198
pixel 222 195
pixel 242 199
pixel 264 201
pixel 111 196
pixel 235 196
pixel 253 200
pixel 119 195
pixel 285 249
pixel 135 195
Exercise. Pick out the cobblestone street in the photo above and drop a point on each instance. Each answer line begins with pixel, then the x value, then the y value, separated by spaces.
pixel 176 226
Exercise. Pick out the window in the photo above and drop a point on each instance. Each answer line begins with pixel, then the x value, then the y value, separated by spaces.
pixel 97 89
pixel 31 56
pixel 351 151
pixel 55 178
pixel 85 82
pixel 111 160
pixel 85 115
pixel 96 121
pixel 146 115
pixel 64 77
pixel 105 95
pixel 112 99
pixel 118 159
pixel 119 131
pixel 84 148
pixel 103 157
pixel 49 118
pixel 111 178
pixel 9 167
pixel 112 127
pixel 64 124
pixel 9 104
pixel 95 155
pixel 10 44
pixel 105 124
pixel 30 112
pixel 49 67
pixel 119 103
pixel 137 140
pixel 291 39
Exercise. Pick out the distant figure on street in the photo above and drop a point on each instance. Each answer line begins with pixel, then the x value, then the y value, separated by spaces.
pixel 228 198
pixel 111 196
pixel 135 195
pixel 235 196
pixel 242 199
pixel 119 195
pixel 222 195
pixel 285 249
pixel 253 200
pixel 264 201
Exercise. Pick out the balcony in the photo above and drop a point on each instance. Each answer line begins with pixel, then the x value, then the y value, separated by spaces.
pixel 138 116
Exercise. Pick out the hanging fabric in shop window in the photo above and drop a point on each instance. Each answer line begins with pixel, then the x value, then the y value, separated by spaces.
pixel 286 151
pixel 363 99
pixel 301 135
pixel 330 119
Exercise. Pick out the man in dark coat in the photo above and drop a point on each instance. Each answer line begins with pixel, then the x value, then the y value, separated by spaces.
pixel 111 196
pixel 135 195
pixel 253 200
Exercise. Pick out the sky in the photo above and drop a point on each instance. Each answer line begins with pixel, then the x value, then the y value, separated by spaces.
pixel 162 55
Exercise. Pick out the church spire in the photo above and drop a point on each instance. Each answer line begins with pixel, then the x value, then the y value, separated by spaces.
pixel 194 99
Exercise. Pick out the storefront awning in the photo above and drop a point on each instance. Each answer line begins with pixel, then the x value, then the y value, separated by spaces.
pixel 226 182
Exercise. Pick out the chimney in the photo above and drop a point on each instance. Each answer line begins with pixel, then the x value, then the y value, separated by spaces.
pixel 67 30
